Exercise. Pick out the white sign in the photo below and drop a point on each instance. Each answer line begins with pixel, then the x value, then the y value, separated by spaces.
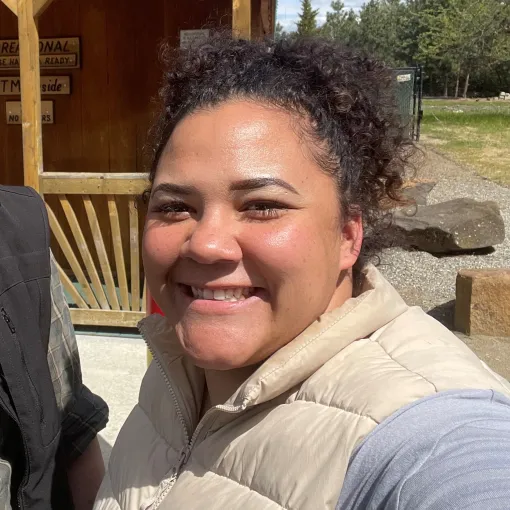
pixel 50 85
pixel 46 46
pixel 62 61
pixel 189 37
pixel 13 112
pixel 403 77
pixel 62 53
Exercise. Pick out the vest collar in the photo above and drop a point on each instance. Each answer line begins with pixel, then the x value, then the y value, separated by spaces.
pixel 359 317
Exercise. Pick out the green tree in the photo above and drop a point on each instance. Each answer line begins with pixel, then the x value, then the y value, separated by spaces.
pixel 380 29
pixel 457 41
pixel 466 36
pixel 341 24
pixel 279 32
pixel 307 24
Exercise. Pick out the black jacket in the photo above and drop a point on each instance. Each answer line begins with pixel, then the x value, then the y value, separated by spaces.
pixel 29 418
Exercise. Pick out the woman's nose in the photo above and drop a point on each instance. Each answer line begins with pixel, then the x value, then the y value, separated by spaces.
pixel 212 240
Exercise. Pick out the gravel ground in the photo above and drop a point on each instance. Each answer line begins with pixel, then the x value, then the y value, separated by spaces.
pixel 429 281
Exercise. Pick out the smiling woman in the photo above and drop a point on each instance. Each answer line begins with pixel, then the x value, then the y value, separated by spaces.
pixel 282 348
pixel 238 204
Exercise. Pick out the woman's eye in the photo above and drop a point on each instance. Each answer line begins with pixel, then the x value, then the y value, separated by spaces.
pixel 173 210
pixel 263 210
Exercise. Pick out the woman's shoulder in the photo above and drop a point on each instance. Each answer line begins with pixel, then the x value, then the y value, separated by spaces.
pixel 423 346
pixel 450 450
pixel 411 357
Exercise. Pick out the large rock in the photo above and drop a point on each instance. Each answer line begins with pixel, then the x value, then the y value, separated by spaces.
pixel 413 193
pixel 454 226
pixel 482 299
pixel 417 192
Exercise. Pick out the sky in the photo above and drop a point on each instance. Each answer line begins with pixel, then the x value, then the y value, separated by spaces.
pixel 288 10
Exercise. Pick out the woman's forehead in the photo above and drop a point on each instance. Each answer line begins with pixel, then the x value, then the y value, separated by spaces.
pixel 240 135
pixel 237 121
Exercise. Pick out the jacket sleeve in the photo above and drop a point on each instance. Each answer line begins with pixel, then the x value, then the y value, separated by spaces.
pixel 83 413
pixel 450 451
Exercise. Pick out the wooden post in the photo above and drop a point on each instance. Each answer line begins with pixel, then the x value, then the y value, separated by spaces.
pixel 241 19
pixel 30 93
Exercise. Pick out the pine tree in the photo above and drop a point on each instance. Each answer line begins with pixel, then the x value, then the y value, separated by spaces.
pixel 341 25
pixel 307 24
pixel 279 32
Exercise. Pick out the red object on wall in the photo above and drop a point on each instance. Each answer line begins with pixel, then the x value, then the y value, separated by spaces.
pixel 152 307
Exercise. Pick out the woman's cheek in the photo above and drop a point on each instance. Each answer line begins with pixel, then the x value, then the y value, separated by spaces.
pixel 284 247
pixel 159 245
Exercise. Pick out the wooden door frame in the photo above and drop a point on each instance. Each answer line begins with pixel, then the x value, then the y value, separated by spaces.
pixel 65 183
pixel 28 12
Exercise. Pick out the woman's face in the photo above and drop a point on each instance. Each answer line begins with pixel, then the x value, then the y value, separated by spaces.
pixel 243 245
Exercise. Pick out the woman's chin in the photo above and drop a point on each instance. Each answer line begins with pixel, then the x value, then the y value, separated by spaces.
pixel 218 359
pixel 217 348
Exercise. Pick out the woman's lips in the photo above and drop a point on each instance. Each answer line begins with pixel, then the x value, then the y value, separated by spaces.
pixel 214 302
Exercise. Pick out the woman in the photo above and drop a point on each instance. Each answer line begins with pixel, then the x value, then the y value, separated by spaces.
pixel 282 351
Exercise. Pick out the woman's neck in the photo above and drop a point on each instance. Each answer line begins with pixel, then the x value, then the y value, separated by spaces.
pixel 222 384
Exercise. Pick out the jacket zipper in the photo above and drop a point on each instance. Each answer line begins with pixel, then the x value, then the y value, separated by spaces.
pixel 166 485
pixel 169 386
pixel 164 489
pixel 168 482
pixel 23 482
pixel 8 321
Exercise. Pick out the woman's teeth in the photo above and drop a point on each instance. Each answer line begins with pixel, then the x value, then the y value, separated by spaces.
pixel 235 294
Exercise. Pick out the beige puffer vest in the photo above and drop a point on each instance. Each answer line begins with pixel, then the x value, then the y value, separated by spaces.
pixel 284 439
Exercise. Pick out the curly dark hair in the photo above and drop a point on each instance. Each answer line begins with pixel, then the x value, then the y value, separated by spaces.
pixel 346 99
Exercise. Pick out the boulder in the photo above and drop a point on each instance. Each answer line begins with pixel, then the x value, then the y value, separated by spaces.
pixel 458 225
pixel 481 303
pixel 413 193
pixel 417 192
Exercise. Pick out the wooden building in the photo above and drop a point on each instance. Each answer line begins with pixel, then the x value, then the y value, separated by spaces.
pixel 82 147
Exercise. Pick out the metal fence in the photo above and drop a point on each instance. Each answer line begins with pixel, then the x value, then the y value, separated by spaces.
pixel 409 92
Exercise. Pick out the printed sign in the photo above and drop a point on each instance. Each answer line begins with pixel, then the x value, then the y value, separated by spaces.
pixel 50 85
pixel 13 112
pixel 61 61
pixel 403 77
pixel 189 37
pixel 61 53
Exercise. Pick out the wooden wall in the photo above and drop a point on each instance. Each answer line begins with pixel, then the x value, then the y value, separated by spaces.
pixel 102 125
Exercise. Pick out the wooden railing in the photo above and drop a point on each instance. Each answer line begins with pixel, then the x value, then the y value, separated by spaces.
pixel 103 275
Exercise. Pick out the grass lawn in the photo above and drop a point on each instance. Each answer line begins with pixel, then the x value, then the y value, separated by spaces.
pixel 476 133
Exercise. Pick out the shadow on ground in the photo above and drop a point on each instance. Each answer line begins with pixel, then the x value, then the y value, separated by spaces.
pixel 495 351
pixel 106 449
pixel 444 313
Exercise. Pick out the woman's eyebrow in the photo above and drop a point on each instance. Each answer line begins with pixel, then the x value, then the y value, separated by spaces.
pixel 262 182
pixel 175 189
pixel 243 185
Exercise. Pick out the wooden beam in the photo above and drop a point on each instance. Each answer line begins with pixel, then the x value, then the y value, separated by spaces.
pixel 118 252
pixel 97 236
pixel 105 317
pixel 12 5
pixel 30 93
pixel 134 251
pixel 241 19
pixel 79 183
pixel 267 13
pixel 40 6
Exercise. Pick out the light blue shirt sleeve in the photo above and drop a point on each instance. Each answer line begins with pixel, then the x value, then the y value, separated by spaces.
pixel 450 451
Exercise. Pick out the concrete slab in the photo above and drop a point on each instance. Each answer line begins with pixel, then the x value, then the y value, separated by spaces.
pixel 113 368
pixel 495 351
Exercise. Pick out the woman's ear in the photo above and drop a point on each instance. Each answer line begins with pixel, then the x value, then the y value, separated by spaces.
pixel 352 239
